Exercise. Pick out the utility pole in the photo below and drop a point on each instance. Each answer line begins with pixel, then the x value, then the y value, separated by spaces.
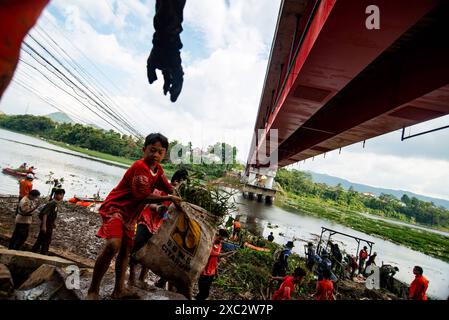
pixel 28 106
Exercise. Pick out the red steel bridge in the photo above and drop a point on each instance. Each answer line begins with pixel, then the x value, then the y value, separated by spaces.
pixel 331 81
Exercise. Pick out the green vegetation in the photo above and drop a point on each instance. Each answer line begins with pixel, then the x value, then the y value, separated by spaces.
pixel 246 274
pixel 112 146
pixel 207 196
pixel 87 137
pixel 96 154
pixel 429 243
pixel 410 210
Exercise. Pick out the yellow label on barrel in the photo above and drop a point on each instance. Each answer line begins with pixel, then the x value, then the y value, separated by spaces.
pixel 186 234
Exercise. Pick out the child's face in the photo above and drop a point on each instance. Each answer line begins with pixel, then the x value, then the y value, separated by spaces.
pixel 59 196
pixel 154 153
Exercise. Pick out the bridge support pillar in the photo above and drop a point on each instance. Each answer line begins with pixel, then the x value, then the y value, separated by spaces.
pixel 268 200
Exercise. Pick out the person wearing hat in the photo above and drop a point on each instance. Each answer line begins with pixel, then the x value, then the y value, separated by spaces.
pixel 363 255
pixel 325 264
pixel 280 266
pixel 23 220
pixel 311 257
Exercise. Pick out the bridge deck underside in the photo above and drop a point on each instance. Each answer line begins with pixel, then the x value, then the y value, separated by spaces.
pixel 350 84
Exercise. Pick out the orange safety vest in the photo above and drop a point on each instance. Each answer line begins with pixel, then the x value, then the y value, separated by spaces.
pixel 25 187
pixel 363 255
pixel 418 288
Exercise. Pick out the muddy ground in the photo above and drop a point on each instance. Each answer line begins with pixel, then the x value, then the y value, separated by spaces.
pixel 74 238
pixel 75 228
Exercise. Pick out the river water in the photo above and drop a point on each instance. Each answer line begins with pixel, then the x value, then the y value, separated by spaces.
pixel 85 177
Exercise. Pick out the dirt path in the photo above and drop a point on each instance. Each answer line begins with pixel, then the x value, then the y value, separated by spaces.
pixel 75 228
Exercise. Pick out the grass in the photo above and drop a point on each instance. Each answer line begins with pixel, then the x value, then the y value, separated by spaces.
pixel 426 242
pixel 104 156
pixel 92 153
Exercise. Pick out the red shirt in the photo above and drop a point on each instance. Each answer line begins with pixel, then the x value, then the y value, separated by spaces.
pixel 282 293
pixel 150 217
pixel 418 288
pixel 211 266
pixel 25 187
pixel 363 255
pixel 325 290
pixel 138 183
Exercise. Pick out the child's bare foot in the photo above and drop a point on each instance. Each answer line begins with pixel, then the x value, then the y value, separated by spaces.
pixel 125 294
pixel 92 296
pixel 145 286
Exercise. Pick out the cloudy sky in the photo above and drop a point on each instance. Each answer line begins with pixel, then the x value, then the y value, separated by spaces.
pixel 226 49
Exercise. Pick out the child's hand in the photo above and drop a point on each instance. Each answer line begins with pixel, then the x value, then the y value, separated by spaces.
pixel 176 200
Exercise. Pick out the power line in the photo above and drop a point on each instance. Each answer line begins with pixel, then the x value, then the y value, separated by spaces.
pixel 104 106
pixel 28 89
pixel 79 68
pixel 22 72
pixel 106 77
pixel 89 108
pixel 58 71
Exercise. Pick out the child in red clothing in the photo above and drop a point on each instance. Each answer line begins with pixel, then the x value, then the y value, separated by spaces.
pixel 121 209
pixel 288 285
pixel 325 287
pixel 148 224
pixel 211 269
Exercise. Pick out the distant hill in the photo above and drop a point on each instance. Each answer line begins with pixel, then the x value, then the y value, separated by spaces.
pixel 333 181
pixel 60 117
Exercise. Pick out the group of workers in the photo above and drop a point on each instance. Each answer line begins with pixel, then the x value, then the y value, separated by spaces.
pixel 29 202
pixel 327 264
pixel 142 198
pixel 24 168
pixel 324 287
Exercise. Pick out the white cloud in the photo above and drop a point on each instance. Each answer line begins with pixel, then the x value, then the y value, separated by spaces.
pixel 423 176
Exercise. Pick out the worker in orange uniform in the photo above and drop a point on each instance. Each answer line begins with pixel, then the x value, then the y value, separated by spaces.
pixel 419 286
pixel 210 271
pixel 25 186
pixel 288 285
pixel 363 255
pixel 325 287
pixel 236 231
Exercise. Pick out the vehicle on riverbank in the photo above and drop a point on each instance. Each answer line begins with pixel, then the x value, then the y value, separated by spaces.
pixel 85 202
pixel 14 172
